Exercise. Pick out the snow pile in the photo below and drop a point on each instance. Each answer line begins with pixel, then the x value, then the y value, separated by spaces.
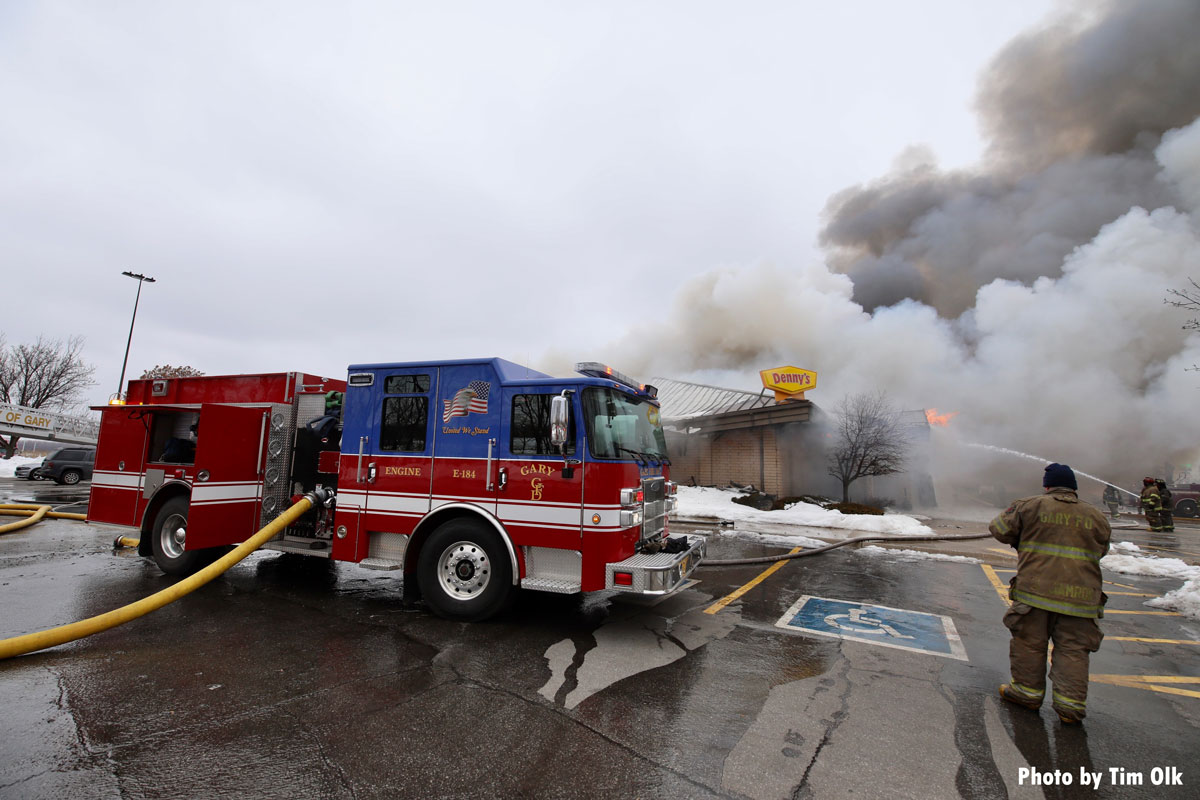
pixel 1121 561
pixel 915 554
pixel 1185 599
pixel 702 501
pixel 8 466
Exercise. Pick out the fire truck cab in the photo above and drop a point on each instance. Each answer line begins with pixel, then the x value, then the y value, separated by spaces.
pixel 472 477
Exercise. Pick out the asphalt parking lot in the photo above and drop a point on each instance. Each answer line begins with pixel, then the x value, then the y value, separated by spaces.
pixel 850 674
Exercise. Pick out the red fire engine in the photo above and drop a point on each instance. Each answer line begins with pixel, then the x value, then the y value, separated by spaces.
pixel 473 477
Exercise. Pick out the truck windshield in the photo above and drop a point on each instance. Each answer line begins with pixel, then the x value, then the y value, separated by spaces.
pixel 623 426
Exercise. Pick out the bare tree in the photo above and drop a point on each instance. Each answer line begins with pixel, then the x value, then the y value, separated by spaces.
pixel 1189 300
pixel 47 374
pixel 167 371
pixel 868 440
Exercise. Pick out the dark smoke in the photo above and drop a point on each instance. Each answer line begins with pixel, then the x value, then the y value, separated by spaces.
pixel 1072 113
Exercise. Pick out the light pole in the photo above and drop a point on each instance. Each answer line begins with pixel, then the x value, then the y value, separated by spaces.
pixel 140 279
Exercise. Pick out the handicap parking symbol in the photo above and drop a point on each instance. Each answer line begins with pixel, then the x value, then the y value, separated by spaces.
pixel 917 631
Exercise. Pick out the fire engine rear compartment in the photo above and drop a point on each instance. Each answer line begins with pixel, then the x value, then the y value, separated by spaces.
pixel 216 449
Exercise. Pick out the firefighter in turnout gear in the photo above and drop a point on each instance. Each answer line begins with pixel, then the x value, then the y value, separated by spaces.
pixel 1152 504
pixel 1165 514
pixel 1056 593
pixel 1112 499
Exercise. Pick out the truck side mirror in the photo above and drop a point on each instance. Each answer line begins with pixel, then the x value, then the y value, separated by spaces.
pixel 560 419
pixel 560 411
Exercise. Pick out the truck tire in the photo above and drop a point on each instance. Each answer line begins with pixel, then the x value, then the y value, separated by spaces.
pixel 70 477
pixel 1186 508
pixel 168 537
pixel 464 572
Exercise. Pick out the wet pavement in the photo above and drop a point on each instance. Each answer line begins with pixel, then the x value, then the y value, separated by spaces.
pixel 294 677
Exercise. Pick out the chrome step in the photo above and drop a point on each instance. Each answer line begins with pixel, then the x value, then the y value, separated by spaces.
pixel 550 585
pixel 381 563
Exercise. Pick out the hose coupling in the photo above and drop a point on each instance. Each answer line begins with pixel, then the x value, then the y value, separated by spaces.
pixel 321 497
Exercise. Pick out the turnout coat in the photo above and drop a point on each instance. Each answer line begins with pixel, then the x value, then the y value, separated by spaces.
pixel 1059 541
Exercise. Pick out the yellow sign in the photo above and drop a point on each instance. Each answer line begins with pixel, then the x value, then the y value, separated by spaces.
pixel 788 380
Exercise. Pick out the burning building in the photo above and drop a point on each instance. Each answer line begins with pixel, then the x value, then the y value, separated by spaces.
pixel 777 444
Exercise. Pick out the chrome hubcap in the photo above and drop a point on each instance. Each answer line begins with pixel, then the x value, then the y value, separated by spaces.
pixel 172 535
pixel 463 570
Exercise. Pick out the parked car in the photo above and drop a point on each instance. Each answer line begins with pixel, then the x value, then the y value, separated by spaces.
pixel 70 465
pixel 30 472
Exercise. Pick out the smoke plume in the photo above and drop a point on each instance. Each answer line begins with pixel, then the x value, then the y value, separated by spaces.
pixel 1026 293
pixel 1072 113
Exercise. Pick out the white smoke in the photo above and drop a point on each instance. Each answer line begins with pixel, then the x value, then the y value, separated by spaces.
pixel 1179 154
pixel 1089 368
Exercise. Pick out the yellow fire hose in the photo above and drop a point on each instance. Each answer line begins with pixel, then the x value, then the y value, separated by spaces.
pixel 30 642
pixel 33 514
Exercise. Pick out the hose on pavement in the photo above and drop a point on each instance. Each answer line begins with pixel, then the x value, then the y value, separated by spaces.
pixel 732 562
pixel 33 514
pixel 30 642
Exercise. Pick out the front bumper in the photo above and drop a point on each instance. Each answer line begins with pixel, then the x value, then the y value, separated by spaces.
pixel 657 573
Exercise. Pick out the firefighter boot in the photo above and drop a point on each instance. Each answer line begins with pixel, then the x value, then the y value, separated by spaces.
pixel 1020 697
pixel 1070 711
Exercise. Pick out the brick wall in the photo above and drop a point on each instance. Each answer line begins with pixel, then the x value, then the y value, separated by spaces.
pixel 689 459
pixel 743 456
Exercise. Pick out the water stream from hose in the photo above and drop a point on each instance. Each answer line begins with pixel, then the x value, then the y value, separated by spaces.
pixel 1045 461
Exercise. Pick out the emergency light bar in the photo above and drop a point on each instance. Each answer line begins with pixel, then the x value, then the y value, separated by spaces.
pixel 597 370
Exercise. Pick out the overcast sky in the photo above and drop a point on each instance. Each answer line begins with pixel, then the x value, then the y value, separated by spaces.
pixel 317 184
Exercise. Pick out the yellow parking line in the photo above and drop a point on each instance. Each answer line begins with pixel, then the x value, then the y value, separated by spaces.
pixel 1108 611
pixel 1132 594
pixel 1003 552
pixel 735 594
pixel 1122 585
pixel 997 584
pixel 1150 683
pixel 1149 641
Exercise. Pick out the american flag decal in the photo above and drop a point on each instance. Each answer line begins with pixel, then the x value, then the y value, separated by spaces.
pixel 471 400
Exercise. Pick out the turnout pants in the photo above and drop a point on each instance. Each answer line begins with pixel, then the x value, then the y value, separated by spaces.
pixel 1074 639
pixel 1154 519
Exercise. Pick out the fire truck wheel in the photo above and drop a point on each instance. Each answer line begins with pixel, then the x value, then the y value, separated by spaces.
pixel 168 536
pixel 464 572
pixel 1186 508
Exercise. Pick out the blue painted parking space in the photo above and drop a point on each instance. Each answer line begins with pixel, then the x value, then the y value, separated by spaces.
pixel 916 631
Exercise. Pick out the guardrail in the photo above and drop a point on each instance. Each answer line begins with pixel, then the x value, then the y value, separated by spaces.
pixel 38 423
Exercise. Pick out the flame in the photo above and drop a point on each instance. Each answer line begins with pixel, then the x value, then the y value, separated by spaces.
pixel 941 420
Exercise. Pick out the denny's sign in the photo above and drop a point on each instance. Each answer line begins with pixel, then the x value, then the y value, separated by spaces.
pixel 789 383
